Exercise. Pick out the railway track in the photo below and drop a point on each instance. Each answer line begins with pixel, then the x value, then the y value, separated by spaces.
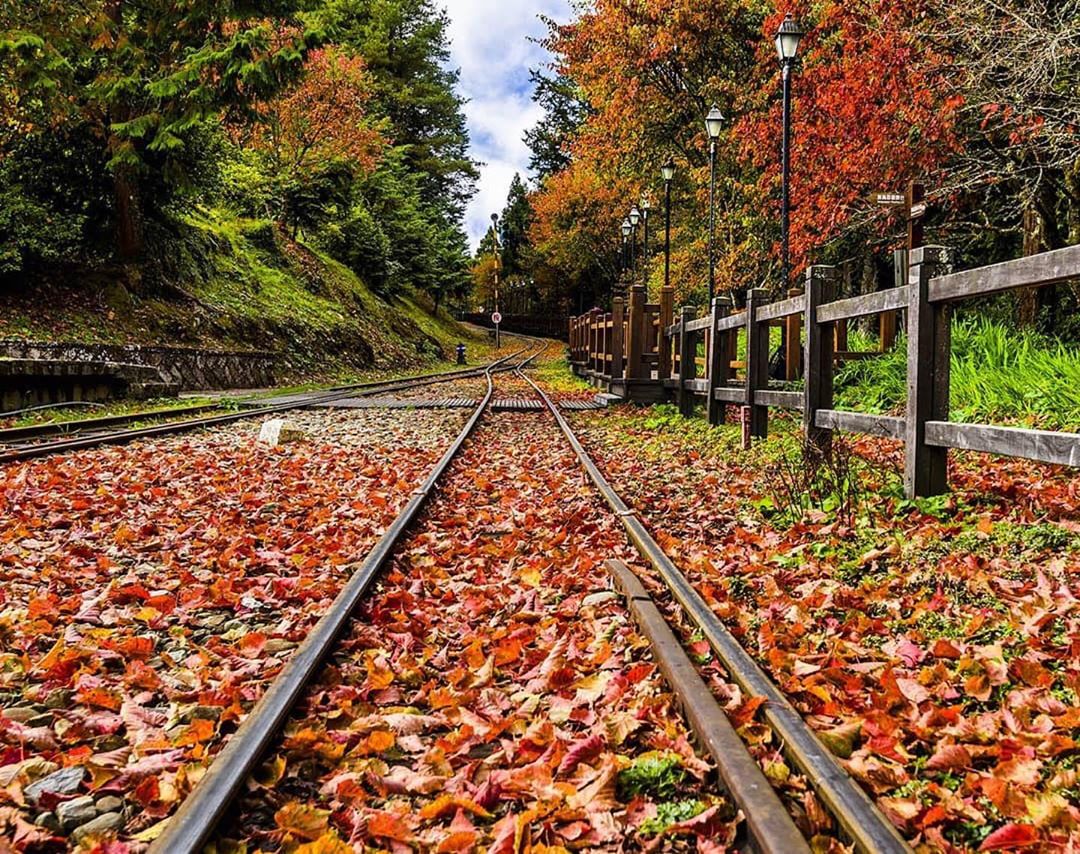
pixel 769 826
pixel 24 443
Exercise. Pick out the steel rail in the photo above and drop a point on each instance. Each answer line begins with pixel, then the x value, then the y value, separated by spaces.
pixel 120 437
pixel 770 826
pixel 191 827
pixel 59 428
pixel 857 815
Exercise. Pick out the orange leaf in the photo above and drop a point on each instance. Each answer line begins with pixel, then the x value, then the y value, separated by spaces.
pixel 302 820
pixel 380 740
pixel 445 804
pixel 388 826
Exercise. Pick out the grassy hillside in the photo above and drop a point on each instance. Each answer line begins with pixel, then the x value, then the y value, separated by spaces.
pixel 239 284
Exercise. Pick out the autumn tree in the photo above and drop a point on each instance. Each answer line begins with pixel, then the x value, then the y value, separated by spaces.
pixel 317 131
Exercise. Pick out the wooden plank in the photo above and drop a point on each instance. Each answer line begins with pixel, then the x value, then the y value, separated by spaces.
pixel 730 394
pixel 776 310
pixel 733 321
pixel 1049 268
pixel 860 306
pixel 887 426
pixel 779 399
pixel 699 325
pixel 1045 446
pixel 697 386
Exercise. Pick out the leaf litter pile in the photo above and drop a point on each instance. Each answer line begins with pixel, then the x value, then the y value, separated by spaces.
pixel 150 592
pixel 934 644
pixel 492 693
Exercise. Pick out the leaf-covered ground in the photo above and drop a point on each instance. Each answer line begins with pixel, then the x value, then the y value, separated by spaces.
pixel 148 592
pixel 493 694
pixel 937 643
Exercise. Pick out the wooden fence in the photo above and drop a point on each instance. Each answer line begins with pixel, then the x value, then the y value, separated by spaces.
pixel 648 346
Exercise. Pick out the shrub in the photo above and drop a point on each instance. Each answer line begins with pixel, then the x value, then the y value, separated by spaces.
pixel 360 243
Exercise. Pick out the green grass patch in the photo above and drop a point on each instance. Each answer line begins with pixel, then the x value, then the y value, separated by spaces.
pixel 998 375
pixel 655 774
pixel 669 814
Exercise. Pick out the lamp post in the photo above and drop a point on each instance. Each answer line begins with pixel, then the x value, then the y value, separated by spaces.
pixel 646 210
pixel 714 123
pixel 668 173
pixel 787 48
pixel 628 246
pixel 635 221
pixel 495 252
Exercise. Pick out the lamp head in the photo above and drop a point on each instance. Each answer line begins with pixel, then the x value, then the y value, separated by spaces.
pixel 787 39
pixel 714 123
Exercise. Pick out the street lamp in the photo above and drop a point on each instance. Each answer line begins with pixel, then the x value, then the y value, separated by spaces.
pixel 787 49
pixel 635 219
pixel 495 252
pixel 714 123
pixel 668 173
pixel 646 207
pixel 628 245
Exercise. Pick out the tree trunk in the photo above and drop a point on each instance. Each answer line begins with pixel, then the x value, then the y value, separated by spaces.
pixel 1028 298
pixel 1041 234
pixel 129 233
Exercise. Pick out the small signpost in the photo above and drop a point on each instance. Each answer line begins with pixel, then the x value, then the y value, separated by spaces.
pixel 496 318
pixel 914 204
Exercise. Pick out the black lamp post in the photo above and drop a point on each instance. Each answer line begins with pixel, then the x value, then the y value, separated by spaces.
pixel 646 208
pixel 787 48
pixel 714 123
pixel 628 243
pixel 635 221
pixel 668 172
pixel 495 252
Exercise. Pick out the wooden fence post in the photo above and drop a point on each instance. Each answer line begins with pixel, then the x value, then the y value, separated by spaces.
pixel 793 339
pixel 719 361
pixel 926 469
pixel 687 361
pixel 618 343
pixel 636 344
pixel 757 361
pixel 667 318
pixel 598 321
pixel 818 391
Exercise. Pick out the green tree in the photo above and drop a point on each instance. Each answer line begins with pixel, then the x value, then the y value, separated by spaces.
pixel 144 77
pixel 565 111
pixel 406 49
pixel 514 230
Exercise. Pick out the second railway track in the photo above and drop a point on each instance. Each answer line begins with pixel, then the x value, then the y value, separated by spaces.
pixel 25 443
pixel 769 826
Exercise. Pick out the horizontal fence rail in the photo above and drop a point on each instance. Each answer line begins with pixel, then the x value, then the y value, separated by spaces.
pixel 643 351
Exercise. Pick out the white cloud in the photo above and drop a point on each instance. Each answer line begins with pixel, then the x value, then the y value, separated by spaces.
pixel 490 43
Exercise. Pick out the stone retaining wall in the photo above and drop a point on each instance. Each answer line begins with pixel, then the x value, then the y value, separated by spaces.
pixel 188 368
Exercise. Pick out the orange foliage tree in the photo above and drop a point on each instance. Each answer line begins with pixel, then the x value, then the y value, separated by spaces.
pixel 868 116
pixel 321 120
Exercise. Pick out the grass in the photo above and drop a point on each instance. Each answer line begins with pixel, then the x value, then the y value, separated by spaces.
pixel 998 376
pixel 253 288
pixel 61 415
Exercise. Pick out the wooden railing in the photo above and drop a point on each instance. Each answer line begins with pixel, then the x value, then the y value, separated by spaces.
pixel 814 317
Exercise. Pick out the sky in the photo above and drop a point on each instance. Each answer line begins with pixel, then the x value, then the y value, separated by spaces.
pixel 490 45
